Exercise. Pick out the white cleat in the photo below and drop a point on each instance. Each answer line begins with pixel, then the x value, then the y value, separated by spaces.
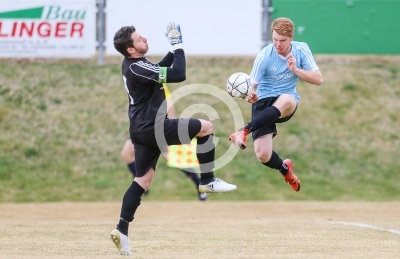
pixel 217 185
pixel 121 241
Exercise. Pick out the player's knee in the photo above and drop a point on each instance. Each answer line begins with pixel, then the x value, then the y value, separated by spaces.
pixel 145 180
pixel 206 128
pixel 263 156
pixel 286 107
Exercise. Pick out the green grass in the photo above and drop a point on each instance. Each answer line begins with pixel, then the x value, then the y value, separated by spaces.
pixel 63 123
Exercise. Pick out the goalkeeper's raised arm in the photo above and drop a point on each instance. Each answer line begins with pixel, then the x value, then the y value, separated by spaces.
pixel 175 58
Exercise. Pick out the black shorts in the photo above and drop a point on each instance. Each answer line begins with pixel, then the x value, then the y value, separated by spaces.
pixel 148 149
pixel 258 107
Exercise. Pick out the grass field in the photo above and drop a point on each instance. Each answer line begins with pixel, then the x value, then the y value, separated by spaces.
pixel 343 230
pixel 63 123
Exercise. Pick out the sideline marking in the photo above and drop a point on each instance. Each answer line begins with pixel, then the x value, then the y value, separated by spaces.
pixel 394 231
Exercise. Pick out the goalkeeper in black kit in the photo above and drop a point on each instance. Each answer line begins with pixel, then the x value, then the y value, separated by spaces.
pixel 150 128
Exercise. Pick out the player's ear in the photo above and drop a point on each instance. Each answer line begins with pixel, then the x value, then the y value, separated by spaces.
pixel 131 50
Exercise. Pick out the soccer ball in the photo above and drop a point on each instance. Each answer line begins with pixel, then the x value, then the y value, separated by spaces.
pixel 239 85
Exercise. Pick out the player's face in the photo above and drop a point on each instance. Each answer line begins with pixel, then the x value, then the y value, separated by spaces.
pixel 139 43
pixel 281 43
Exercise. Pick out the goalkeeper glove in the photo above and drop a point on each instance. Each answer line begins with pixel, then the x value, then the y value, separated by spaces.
pixel 174 36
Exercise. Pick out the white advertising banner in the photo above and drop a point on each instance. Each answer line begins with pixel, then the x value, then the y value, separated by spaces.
pixel 47 28
pixel 209 27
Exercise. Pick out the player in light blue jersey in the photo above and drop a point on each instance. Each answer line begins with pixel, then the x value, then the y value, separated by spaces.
pixel 276 71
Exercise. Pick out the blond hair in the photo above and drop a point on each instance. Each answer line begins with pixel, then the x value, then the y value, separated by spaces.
pixel 283 26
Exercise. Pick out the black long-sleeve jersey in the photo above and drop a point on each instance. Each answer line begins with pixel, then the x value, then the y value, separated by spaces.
pixel 143 82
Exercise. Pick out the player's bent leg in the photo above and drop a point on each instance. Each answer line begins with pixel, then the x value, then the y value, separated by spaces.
pixel 205 152
pixel 145 180
pixel 264 152
pixel 206 128
pixel 286 104
pixel 264 114
pixel 263 148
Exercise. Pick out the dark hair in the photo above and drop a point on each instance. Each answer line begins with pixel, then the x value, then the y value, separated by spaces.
pixel 123 40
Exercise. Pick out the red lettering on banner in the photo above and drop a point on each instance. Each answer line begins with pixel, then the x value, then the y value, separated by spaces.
pixel 60 27
pixel 78 28
pixel 27 29
pixel 44 29
pixel 2 35
pixel 14 29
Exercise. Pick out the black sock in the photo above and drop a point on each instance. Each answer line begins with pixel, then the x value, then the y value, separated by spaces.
pixel 130 203
pixel 123 226
pixel 275 162
pixel 132 168
pixel 267 116
pixel 205 151
pixel 191 173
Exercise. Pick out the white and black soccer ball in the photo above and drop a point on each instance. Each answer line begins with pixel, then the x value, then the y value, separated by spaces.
pixel 239 85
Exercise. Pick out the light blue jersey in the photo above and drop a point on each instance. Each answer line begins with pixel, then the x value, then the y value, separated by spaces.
pixel 273 76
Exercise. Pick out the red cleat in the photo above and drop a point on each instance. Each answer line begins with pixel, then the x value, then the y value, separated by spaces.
pixel 239 138
pixel 290 177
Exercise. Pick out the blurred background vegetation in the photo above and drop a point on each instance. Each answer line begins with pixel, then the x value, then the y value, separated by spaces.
pixel 63 124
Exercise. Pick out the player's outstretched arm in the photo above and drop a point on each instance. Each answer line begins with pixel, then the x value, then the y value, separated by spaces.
pixel 176 73
pixel 174 36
